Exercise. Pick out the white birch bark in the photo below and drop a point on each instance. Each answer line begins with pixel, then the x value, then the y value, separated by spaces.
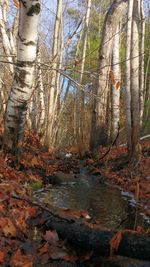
pixel 40 96
pixel 113 16
pixel 135 108
pixel 128 74
pixel 21 90
pixel 55 57
pixel 141 78
pixel 115 90
pixel 55 115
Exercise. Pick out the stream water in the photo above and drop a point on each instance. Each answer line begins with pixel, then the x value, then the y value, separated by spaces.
pixel 102 201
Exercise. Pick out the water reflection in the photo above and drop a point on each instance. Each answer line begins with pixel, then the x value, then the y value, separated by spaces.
pixel 102 202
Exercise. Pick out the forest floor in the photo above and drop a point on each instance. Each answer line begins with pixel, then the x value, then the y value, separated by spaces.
pixel 24 241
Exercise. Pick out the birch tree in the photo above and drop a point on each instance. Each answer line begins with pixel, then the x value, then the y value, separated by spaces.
pixel 116 84
pixel 135 92
pixel 141 75
pixel 113 16
pixel 40 95
pixel 80 109
pixel 55 60
pixel 128 73
pixel 21 90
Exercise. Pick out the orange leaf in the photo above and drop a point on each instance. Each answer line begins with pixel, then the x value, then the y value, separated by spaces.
pixel 7 227
pixel 44 249
pixel 19 260
pixel 2 255
pixel 114 242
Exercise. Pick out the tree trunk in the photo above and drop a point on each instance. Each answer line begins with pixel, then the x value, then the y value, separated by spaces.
pixel 98 241
pixel 135 101
pixel 99 131
pixel 80 135
pixel 115 88
pixel 142 37
pixel 128 74
pixel 4 36
pixel 55 64
pixel 40 96
pixel 21 90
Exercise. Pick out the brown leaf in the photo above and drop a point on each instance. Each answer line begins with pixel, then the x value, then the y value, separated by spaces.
pixel 53 251
pixel 72 214
pixel 7 227
pixel 43 249
pixel 51 237
pixel 19 260
pixel 2 255
pixel 70 257
pixel 2 207
pixel 56 253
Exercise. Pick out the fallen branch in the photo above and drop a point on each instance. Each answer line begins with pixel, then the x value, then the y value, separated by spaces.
pixel 132 245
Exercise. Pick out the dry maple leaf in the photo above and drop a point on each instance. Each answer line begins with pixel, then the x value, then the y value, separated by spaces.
pixel 19 260
pixel 7 227
pixel 43 249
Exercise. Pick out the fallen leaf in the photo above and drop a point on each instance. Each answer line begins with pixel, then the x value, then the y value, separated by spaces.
pixel 51 237
pixel 19 260
pixel 7 227
pixel 72 214
pixel 114 242
pixel 2 255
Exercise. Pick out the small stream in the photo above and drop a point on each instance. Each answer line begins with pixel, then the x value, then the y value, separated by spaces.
pixel 102 201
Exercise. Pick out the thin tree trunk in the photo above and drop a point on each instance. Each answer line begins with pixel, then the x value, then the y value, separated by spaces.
pixel 142 30
pixel 55 56
pixel 5 39
pixel 81 93
pixel 135 92
pixel 40 96
pixel 115 88
pixel 128 74
pixel 21 90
